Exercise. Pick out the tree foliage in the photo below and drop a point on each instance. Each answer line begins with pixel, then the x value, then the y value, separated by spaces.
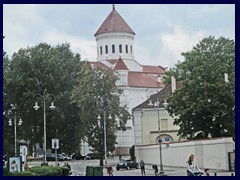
pixel 132 153
pixel 30 71
pixel 97 94
pixel 205 105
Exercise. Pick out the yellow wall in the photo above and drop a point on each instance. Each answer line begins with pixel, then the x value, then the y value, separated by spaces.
pixel 149 123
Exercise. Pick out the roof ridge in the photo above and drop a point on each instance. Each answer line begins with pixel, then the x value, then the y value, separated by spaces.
pixel 120 65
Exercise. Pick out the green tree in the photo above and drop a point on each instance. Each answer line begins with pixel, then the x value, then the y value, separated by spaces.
pixel 132 153
pixel 95 94
pixel 205 105
pixel 32 70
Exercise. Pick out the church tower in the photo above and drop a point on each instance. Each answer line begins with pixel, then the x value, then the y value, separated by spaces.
pixel 115 38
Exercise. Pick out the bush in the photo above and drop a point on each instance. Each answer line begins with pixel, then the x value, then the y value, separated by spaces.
pixel 65 171
pixel 40 171
pixel 47 170
pixel 5 171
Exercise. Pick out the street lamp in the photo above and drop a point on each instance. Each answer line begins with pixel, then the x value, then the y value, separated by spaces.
pixel 15 116
pixel 157 104
pixel 105 134
pixel 43 98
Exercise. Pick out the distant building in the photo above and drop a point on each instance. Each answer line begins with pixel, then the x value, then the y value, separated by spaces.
pixel 146 117
pixel 115 50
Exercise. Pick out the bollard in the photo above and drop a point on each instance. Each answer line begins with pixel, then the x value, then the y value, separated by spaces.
pixel 215 174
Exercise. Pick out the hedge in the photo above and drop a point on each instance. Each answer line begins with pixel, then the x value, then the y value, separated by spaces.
pixel 40 171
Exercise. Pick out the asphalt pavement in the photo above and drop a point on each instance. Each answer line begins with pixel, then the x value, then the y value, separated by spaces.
pixel 79 168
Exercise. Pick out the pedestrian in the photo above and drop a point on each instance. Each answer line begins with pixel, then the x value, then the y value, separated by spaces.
pixel 192 167
pixel 155 169
pixel 206 171
pixel 68 166
pixel 26 166
pixel 142 166
pixel 110 170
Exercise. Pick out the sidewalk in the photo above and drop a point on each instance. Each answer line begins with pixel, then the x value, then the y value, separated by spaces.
pixel 181 171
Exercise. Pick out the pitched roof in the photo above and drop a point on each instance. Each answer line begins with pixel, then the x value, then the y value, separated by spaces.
pixel 112 61
pixel 153 69
pixel 98 64
pixel 114 23
pixel 120 65
pixel 140 79
pixel 161 96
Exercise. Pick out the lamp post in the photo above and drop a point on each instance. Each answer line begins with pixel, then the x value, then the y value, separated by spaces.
pixel 157 104
pixel 105 133
pixel 43 98
pixel 15 116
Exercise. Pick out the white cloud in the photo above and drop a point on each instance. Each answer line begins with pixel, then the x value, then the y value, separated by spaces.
pixel 85 47
pixel 177 42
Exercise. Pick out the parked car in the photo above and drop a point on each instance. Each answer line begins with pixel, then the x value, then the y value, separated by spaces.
pixel 87 157
pixel 60 157
pixel 50 157
pixel 66 157
pixel 78 156
pixel 94 155
pixel 126 164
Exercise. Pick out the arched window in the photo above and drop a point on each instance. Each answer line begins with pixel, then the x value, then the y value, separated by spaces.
pixel 126 48
pixel 106 49
pixel 120 48
pixel 100 50
pixel 113 48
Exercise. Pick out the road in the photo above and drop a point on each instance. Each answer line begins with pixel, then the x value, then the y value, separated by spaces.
pixel 79 167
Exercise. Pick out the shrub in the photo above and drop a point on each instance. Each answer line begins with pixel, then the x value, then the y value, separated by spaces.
pixel 65 171
pixel 40 171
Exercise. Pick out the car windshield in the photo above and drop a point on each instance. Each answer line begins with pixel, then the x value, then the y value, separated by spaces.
pixel 121 161
pixel 130 161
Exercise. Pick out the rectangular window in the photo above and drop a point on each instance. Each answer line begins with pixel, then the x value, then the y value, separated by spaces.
pixel 100 50
pixel 126 48
pixel 113 48
pixel 120 48
pixel 106 48
pixel 164 124
pixel 131 49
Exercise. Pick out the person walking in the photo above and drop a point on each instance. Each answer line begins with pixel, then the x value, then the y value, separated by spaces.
pixel 206 171
pixel 142 166
pixel 192 167
pixel 68 166
pixel 110 170
pixel 155 169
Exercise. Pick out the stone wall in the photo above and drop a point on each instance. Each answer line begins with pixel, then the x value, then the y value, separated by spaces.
pixel 209 153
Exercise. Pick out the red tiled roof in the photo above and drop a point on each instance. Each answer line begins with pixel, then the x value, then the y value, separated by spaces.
pixel 140 79
pixel 99 65
pixel 112 61
pixel 120 65
pixel 114 23
pixel 153 69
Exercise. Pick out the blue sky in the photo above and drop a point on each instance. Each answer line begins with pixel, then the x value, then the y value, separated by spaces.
pixel 163 31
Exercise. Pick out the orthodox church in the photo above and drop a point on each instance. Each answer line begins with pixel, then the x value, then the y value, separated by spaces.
pixel 115 50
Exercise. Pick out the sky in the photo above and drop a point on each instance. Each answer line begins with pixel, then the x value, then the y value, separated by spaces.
pixel 163 31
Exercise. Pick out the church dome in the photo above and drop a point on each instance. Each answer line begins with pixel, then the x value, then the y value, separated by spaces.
pixel 114 23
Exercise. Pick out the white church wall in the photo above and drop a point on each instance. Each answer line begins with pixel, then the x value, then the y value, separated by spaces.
pixel 117 39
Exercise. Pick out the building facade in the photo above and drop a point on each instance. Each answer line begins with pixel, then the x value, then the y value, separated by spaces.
pixel 150 118
pixel 115 50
